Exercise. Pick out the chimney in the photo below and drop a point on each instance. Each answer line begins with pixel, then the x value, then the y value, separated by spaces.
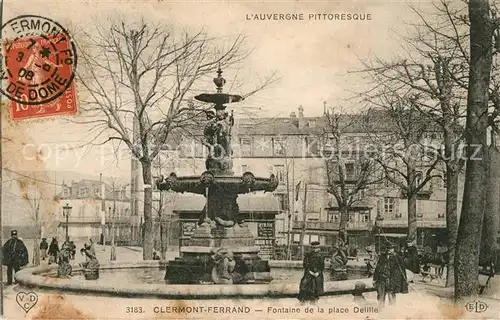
pixel 302 121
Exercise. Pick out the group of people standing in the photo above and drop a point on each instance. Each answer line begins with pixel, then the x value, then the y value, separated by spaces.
pixel 389 276
pixel 52 252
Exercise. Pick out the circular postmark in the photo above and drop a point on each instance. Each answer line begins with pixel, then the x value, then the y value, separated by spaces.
pixel 39 60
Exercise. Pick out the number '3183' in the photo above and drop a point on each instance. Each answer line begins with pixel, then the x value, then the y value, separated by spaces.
pixel 134 310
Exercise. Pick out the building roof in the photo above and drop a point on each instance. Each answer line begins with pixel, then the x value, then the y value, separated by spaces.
pixel 110 194
pixel 375 120
pixel 247 203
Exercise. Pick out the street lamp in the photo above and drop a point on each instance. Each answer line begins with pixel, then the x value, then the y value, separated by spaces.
pixel 67 212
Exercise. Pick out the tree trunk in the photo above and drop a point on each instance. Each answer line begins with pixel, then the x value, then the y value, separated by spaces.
pixel 147 234
pixel 344 218
pixel 36 245
pixel 451 218
pixel 412 216
pixel 163 247
pixel 36 252
pixel 471 218
pixel 492 208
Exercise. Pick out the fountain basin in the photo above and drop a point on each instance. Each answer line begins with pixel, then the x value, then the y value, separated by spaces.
pixel 42 278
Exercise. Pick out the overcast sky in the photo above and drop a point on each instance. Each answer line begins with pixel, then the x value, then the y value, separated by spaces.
pixel 312 57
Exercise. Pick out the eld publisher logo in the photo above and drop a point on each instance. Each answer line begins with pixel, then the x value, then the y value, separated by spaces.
pixel 476 306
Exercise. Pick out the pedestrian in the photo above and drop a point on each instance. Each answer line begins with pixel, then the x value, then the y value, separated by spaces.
pixel 412 260
pixel 156 256
pixel 53 251
pixel 389 276
pixel 311 284
pixel 43 248
pixel 92 247
pixel 15 255
pixel 72 247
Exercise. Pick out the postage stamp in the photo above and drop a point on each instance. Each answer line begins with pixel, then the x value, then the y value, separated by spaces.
pixel 250 159
pixel 39 63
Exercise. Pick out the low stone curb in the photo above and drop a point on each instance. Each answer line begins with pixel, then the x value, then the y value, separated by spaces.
pixel 32 277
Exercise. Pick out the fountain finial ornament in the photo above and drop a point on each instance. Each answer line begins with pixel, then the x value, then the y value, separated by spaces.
pixel 219 81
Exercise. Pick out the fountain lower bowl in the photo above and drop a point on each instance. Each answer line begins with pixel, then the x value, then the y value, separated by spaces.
pixel 43 278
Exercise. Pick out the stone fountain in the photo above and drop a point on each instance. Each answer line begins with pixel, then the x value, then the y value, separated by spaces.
pixel 222 244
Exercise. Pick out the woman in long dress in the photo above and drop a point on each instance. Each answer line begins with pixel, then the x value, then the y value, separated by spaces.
pixel 311 284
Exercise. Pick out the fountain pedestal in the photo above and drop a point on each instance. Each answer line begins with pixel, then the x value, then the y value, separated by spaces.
pixel 196 263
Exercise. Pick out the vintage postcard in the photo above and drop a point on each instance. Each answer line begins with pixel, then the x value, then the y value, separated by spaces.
pixel 249 159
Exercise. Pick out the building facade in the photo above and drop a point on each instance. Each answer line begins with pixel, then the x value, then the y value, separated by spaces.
pixel 293 148
pixel 97 211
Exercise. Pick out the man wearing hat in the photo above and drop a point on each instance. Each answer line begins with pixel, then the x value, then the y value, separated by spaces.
pixel 311 284
pixel 389 276
pixel 15 255
pixel 43 248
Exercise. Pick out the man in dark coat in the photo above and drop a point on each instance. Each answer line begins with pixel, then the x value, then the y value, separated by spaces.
pixel 53 251
pixel 43 248
pixel 15 255
pixel 311 284
pixel 389 276
pixel 412 261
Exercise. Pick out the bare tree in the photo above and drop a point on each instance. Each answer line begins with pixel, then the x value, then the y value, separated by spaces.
pixel 346 186
pixel 433 69
pixel 137 79
pixel 399 151
pixel 31 193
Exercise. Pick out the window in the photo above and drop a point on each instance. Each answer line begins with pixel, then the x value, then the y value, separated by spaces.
pixel 66 192
pixel 418 178
pixel 389 176
pixel 389 205
pixel 362 194
pixel 333 216
pixel 313 237
pixel 83 192
pixel 420 209
pixel 244 168
pixel 283 199
pixel 349 169
pixel 296 238
pixel 97 191
pixel 279 146
pixel 364 217
pixel 279 171
pixel 246 146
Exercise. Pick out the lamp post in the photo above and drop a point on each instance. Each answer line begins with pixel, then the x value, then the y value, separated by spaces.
pixel 67 212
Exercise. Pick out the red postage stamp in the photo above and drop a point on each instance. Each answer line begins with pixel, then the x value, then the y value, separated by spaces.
pixel 39 69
